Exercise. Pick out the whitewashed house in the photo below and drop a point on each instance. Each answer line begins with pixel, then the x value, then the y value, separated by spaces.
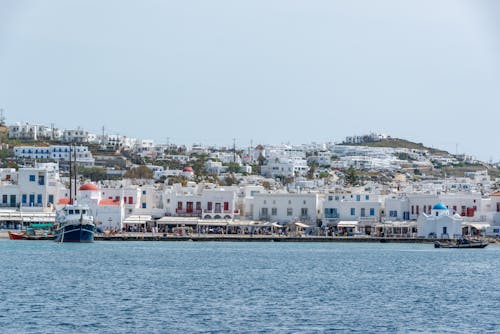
pixel 285 167
pixel 286 208
pixel 202 200
pixel 360 209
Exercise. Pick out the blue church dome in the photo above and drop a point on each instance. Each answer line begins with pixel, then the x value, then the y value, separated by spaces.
pixel 440 206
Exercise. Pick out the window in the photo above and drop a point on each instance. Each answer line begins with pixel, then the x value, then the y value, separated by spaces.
pixel 367 197
pixel 130 200
pixel 303 212
pixel 353 211
pixel 372 212
pixel 51 199
pixel 32 178
pixel 4 199
pixel 264 212
pixel 144 205
pixel 274 211
pixel 363 213
pixel 179 205
pixel 39 199
pixel 358 198
pixel 24 199
pixel 32 199
pixel 226 206
pixel 289 212
pixel 144 192
pixel 330 198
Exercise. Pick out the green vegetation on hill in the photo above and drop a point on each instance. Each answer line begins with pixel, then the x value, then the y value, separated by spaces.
pixel 400 143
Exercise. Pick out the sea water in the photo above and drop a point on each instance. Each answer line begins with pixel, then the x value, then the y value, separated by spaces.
pixel 231 287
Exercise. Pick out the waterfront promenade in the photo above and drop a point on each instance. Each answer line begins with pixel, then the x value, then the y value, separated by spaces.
pixel 148 236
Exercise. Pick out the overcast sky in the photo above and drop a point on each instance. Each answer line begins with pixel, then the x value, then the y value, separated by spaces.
pixel 270 71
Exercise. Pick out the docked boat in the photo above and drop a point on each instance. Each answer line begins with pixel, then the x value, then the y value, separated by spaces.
pixel 16 235
pixel 74 223
pixel 461 243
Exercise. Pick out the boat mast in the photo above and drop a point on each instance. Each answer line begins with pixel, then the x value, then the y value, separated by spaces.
pixel 70 179
pixel 74 150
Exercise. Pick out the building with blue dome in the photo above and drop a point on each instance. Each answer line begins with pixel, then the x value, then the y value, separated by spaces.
pixel 439 223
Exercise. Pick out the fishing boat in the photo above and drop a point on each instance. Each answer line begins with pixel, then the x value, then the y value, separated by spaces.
pixel 74 223
pixel 461 243
pixel 16 235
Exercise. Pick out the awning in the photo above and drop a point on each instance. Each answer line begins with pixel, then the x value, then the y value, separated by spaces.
pixel 301 225
pixel 177 221
pixel 137 220
pixel 347 223
pixel 41 225
pixel 212 222
pixel 478 226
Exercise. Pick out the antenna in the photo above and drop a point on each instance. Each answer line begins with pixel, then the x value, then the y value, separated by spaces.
pixel 2 117
pixel 234 150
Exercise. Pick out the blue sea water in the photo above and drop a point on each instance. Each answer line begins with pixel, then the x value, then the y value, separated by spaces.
pixel 228 287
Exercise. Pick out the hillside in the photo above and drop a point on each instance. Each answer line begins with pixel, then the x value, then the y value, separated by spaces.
pixel 400 143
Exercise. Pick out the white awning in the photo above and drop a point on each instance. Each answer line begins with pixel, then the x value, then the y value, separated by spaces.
pixel 343 223
pixel 301 225
pixel 177 221
pixel 478 226
pixel 137 220
pixel 212 222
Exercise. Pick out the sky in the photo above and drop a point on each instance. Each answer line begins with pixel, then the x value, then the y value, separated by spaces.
pixel 258 71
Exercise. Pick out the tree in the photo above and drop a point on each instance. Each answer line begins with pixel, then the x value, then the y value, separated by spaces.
pixel 233 167
pixel 93 173
pixel 351 177
pixel 312 171
pixel 141 172
pixel 230 180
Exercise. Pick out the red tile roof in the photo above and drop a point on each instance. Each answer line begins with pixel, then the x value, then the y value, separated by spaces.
pixel 106 201
pixel 64 200
pixel 89 186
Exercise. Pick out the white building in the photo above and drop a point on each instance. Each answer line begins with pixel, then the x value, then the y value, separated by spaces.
pixel 56 152
pixel 364 208
pixel 285 167
pixel 75 136
pixel 286 208
pixel 30 131
pixel 31 188
pixel 197 201
pixel 439 223
pixel 108 212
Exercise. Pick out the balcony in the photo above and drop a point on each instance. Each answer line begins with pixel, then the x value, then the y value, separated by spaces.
pixel 188 212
